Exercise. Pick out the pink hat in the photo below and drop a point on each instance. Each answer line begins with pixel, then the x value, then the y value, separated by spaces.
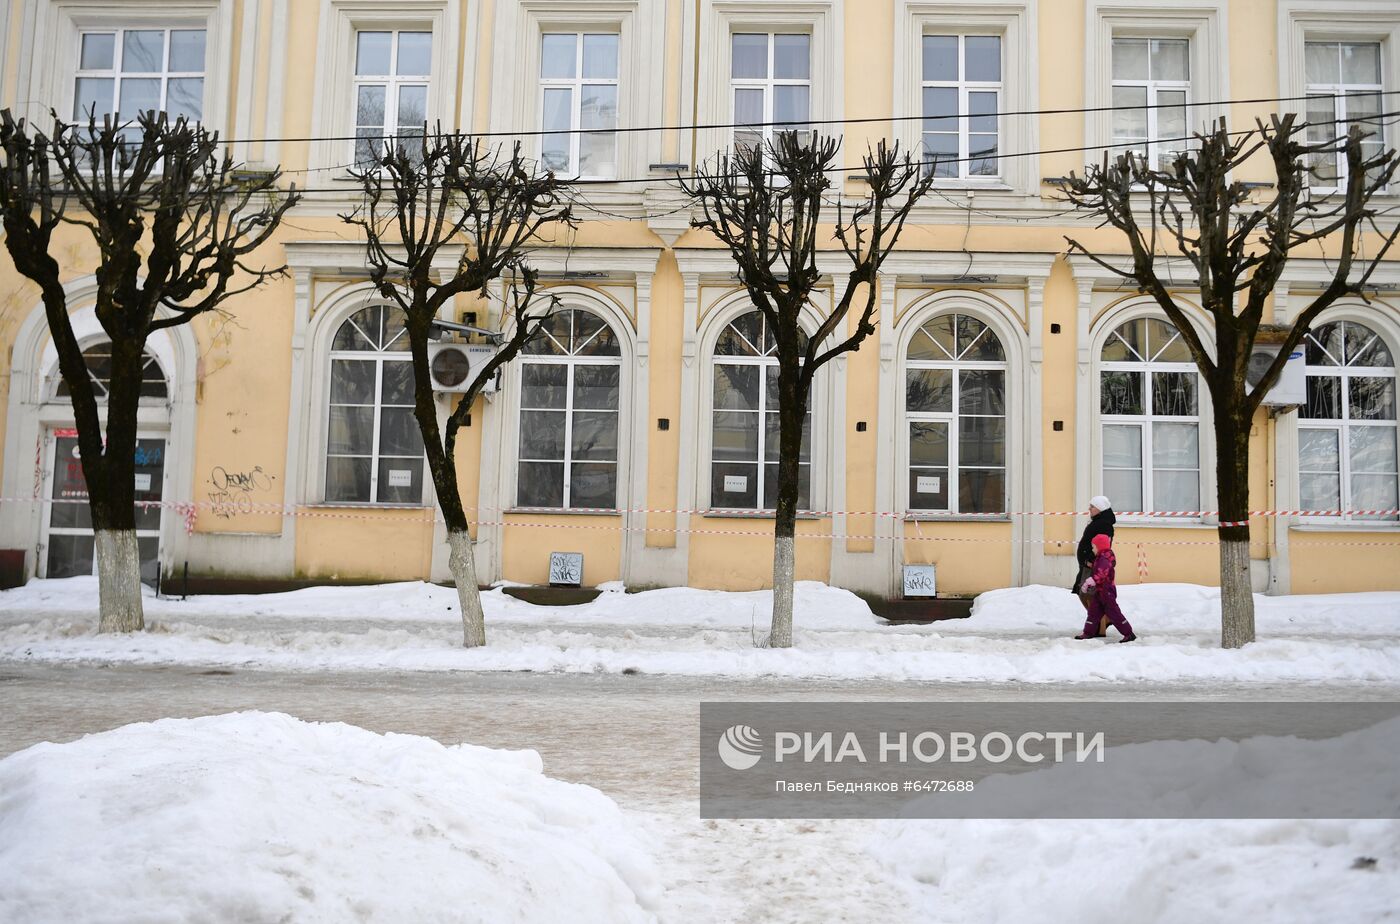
pixel 1102 541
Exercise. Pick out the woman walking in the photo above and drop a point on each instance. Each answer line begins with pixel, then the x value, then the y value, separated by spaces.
pixel 1101 520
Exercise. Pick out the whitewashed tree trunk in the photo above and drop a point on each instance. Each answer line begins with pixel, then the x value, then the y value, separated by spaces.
pixel 780 632
pixel 119 581
pixel 1236 594
pixel 462 563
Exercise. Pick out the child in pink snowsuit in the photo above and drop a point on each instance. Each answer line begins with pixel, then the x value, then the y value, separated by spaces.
pixel 1105 594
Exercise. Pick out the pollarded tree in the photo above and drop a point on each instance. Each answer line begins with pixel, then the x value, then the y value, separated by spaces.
pixel 768 203
pixel 175 222
pixel 1237 247
pixel 428 197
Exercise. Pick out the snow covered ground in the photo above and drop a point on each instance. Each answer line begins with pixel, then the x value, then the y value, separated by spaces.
pixel 261 817
pixel 1161 870
pixel 258 816
pixel 1014 635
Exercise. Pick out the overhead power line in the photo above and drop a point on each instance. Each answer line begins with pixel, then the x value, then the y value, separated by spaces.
pixel 859 120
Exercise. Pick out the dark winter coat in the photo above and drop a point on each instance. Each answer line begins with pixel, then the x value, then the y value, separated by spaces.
pixel 1100 525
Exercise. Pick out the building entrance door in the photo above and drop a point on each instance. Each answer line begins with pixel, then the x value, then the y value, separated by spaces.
pixel 70 545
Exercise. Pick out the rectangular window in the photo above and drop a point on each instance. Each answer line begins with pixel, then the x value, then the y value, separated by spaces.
pixel 962 94
pixel 1151 90
pixel 771 82
pixel 578 103
pixel 125 72
pixel 391 90
pixel 744 464
pixel 1343 89
pixel 374 449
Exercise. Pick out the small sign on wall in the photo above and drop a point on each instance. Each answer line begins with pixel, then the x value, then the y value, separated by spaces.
pixel 919 581
pixel 736 484
pixel 400 478
pixel 143 481
pixel 928 484
pixel 566 568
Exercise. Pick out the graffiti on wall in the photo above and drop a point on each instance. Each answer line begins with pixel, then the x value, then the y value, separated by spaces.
pixel 233 490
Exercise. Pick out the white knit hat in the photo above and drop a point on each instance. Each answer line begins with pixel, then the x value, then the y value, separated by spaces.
pixel 1101 502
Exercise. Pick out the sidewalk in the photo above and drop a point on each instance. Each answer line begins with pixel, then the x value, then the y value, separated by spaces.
pixel 1014 635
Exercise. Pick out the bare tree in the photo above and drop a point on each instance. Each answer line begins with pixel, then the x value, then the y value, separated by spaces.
pixel 767 204
pixel 174 223
pixel 1237 247
pixel 429 196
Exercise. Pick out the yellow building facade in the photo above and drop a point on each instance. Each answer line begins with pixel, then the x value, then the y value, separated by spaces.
pixel 1007 384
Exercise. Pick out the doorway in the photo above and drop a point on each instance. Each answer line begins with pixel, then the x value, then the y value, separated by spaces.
pixel 68 538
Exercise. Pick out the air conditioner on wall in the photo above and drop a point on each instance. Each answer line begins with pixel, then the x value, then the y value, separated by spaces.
pixel 454 366
pixel 1291 389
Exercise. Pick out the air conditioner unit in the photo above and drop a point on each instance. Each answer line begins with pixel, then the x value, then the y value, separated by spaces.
pixel 454 366
pixel 1291 389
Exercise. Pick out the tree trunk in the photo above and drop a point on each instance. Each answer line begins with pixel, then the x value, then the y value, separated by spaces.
pixel 463 565
pixel 792 414
pixel 119 581
pixel 1232 476
pixel 111 483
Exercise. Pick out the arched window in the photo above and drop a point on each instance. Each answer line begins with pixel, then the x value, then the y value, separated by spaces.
pixel 570 379
pixel 955 410
pixel 744 438
pixel 374 451
pixel 1347 430
pixel 98 358
pixel 1148 408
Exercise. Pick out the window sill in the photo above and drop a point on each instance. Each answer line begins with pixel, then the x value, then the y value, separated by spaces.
pixel 1375 526
pixel 755 515
pixel 559 511
pixel 358 505
pixel 935 517
pixel 1165 523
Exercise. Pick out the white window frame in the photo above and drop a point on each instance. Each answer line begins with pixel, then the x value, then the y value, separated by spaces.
pixel 717 316
pixel 515 74
pixel 116 75
pixel 1145 421
pixel 1015 23
pixel 768 85
pixel 964 87
pixel 575 87
pixel 1158 148
pixel 760 460
pixel 611 303
pixel 951 419
pixel 379 357
pixel 333 107
pixel 571 362
pixel 1343 425
pixel 708 65
pixel 1303 21
pixel 1200 22
pixel 48 67
pixel 392 82
pixel 1339 93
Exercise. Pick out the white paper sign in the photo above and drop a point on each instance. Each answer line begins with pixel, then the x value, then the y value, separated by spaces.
pixel 919 581
pixel 566 568
pixel 143 481
pixel 928 484
pixel 736 484
pixel 400 478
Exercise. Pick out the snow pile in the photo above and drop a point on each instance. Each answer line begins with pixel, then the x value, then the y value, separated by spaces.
pixel 261 817
pixel 994 871
pixel 820 606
